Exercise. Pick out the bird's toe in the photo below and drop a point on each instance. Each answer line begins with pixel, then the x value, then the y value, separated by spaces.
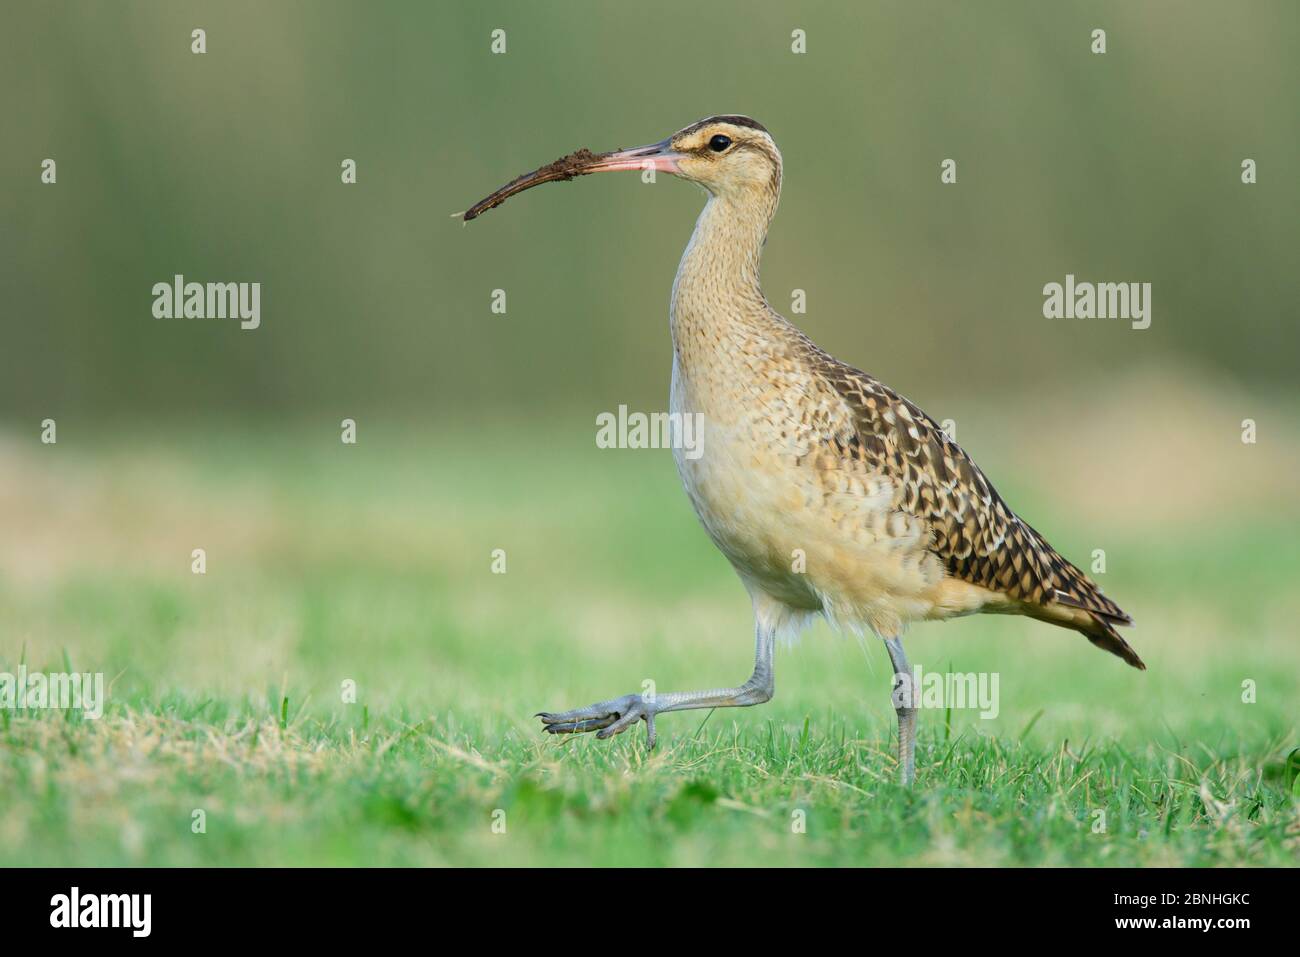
pixel 607 717
pixel 621 724
pixel 578 727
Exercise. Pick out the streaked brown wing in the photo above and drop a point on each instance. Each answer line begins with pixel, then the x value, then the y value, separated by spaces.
pixel 979 538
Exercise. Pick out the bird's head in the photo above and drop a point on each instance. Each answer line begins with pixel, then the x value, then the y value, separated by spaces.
pixel 730 156
pixel 727 155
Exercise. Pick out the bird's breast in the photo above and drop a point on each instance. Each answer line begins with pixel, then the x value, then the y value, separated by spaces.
pixel 810 526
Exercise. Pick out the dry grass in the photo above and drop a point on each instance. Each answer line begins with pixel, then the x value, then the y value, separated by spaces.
pixel 373 566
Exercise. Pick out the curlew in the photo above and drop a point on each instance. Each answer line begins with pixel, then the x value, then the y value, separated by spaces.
pixel 829 492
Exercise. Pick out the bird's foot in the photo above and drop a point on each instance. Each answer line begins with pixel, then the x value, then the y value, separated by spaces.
pixel 606 718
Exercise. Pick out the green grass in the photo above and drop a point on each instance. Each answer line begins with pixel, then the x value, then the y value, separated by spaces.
pixel 373 564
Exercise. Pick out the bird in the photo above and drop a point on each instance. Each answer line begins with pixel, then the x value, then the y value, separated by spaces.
pixel 830 493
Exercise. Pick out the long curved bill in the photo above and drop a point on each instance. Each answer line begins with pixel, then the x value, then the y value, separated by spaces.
pixel 657 156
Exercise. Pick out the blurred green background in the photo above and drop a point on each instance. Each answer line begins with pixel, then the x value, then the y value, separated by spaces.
pixel 225 166
pixel 476 431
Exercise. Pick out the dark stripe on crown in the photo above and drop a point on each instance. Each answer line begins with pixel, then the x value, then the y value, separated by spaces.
pixel 733 120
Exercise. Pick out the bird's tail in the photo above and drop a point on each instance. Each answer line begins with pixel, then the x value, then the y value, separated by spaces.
pixel 1096 621
pixel 1104 636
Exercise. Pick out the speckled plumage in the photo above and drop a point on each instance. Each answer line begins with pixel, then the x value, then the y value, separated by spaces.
pixel 829 492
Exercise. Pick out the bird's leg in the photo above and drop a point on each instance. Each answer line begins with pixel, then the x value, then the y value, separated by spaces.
pixel 905 707
pixel 615 716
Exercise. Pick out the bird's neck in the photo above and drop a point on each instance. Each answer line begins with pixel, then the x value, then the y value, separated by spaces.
pixel 717 301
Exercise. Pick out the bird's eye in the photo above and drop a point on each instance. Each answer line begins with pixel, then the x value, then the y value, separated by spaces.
pixel 719 143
